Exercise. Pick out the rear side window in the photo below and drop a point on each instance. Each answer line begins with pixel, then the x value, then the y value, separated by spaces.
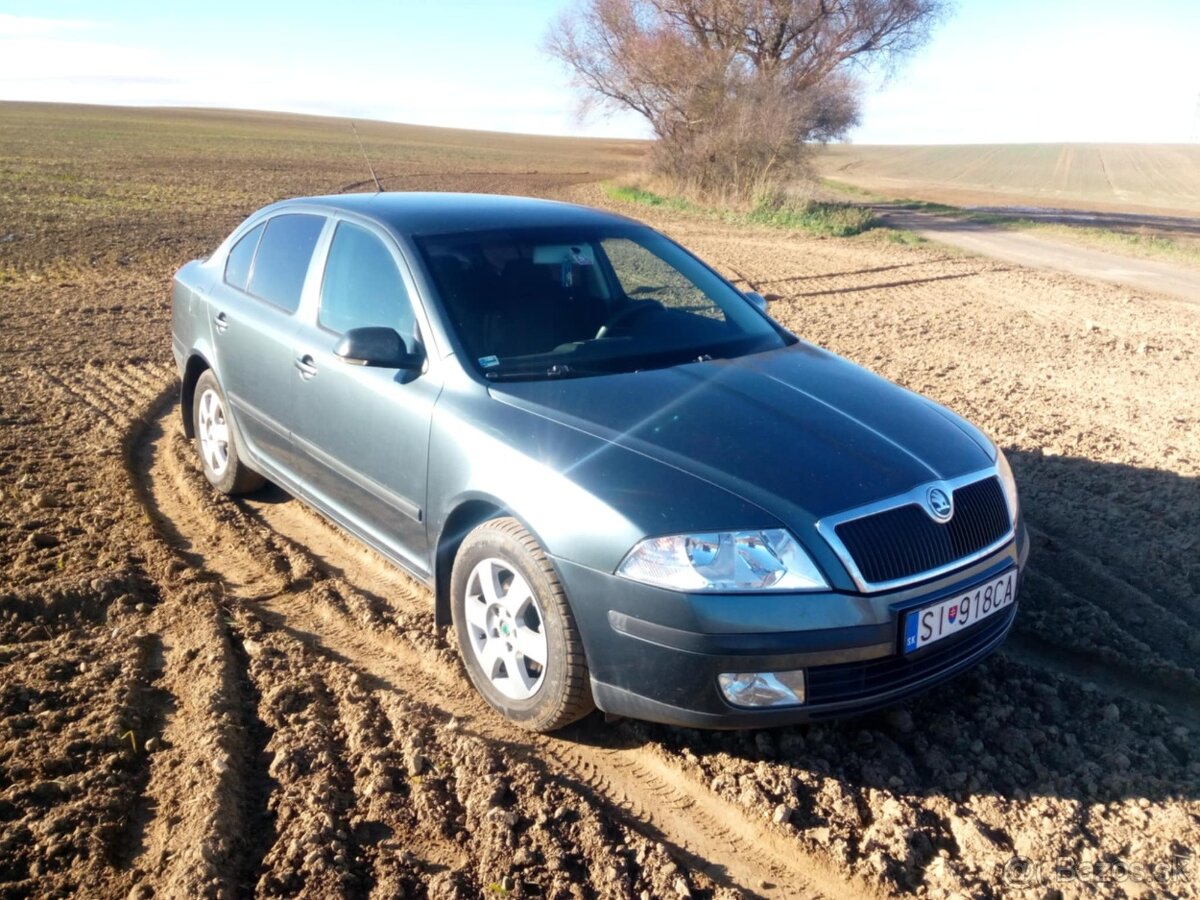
pixel 237 266
pixel 283 257
pixel 362 285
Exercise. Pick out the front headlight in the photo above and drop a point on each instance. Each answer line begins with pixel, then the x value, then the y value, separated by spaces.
pixel 1010 484
pixel 769 560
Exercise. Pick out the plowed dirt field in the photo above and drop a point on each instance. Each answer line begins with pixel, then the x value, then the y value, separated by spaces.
pixel 201 697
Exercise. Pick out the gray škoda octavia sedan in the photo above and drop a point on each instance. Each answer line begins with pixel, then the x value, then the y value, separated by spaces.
pixel 625 484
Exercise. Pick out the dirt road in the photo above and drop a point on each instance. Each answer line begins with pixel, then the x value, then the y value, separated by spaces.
pixel 1042 251
pixel 201 697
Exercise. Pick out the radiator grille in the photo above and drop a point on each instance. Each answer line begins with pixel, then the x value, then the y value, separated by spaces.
pixel 904 541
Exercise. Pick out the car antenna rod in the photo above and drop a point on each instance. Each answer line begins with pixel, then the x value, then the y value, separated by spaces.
pixel 366 159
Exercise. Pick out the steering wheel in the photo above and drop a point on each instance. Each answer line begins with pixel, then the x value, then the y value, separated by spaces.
pixel 633 310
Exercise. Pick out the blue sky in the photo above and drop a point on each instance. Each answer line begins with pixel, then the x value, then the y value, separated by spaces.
pixel 996 70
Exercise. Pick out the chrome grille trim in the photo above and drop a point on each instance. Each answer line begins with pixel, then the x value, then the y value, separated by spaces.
pixel 827 528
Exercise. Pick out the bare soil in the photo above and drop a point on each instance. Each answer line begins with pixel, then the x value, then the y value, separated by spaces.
pixel 201 697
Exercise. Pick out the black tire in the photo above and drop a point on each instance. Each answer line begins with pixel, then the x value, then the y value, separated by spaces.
pixel 563 694
pixel 209 407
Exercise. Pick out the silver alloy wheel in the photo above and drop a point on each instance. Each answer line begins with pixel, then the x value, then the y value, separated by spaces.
pixel 214 433
pixel 506 629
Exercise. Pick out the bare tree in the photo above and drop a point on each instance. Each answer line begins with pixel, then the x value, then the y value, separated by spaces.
pixel 735 89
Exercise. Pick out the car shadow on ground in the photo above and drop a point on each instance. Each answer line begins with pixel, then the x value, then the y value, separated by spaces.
pixel 886 285
pixel 818 276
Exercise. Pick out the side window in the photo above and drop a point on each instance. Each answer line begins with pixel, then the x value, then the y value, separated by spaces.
pixel 237 265
pixel 362 286
pixel 283 257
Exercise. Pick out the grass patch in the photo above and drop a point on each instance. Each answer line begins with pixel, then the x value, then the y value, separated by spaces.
pixel 821 218
pixel 828 219
pixel 957 212
pixel 901 236
pixel 940 209
pixel 631 194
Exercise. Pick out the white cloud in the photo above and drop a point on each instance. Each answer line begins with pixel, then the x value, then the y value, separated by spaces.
pixel 30 26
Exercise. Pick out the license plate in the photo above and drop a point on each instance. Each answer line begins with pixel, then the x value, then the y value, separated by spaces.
pixel 930 624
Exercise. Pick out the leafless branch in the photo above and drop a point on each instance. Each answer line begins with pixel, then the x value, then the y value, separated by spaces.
pixel 735 89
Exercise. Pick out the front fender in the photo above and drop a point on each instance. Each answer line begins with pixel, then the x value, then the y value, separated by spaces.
pixel 586 499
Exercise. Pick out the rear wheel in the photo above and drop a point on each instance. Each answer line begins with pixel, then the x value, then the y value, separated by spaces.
pixel 516 633
pixel 216 442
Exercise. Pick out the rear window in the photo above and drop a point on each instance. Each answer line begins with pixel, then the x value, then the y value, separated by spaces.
pixel 237 266
pixel 281 263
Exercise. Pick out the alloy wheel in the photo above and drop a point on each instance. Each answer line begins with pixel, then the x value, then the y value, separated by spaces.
pixel 214 433
pixel 505 629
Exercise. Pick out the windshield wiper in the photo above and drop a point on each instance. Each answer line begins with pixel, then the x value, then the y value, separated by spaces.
pixel 558 370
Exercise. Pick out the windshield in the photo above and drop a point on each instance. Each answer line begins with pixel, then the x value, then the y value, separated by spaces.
pixel 545 303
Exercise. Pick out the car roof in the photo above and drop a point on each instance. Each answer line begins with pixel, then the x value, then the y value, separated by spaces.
pixel 418 213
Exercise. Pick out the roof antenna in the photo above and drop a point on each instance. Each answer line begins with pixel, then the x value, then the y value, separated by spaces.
pixel 370 168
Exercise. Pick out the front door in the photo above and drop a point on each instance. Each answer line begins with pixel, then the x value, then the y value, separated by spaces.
pixel 361 433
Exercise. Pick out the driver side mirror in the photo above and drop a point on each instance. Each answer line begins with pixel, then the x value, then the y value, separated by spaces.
pixel 379 347
pixel 757 300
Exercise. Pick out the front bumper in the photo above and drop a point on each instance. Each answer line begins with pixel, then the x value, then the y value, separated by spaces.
pixel 848 645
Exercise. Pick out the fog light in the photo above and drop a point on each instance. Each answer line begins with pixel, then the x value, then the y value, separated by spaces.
pixel 763 688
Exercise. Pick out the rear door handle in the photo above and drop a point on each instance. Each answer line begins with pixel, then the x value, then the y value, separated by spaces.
pixel 305 366
pixel 221 321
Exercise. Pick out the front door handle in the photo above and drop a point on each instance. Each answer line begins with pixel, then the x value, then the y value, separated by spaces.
pixel 221 322
pixel 306 366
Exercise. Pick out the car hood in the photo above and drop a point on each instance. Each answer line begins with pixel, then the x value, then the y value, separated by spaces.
pixel 798 431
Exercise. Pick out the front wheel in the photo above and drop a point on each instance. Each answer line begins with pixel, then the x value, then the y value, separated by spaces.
pixel 215 440
pixel 516 633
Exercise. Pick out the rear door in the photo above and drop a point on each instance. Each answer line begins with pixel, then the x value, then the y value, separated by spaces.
pixel 362 433
pixel 253 328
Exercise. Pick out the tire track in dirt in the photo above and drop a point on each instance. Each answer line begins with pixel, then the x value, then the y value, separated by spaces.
pixel 647 787
pixel 206 792
pixel 657 792
pixel 115 401
pixel 111 394
pixel 320 603
pixel 145 706
pixel 267 582
pixel 258 829
pixel 108 703
pixel 98 406
pixel 253 831
pixel 710 834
